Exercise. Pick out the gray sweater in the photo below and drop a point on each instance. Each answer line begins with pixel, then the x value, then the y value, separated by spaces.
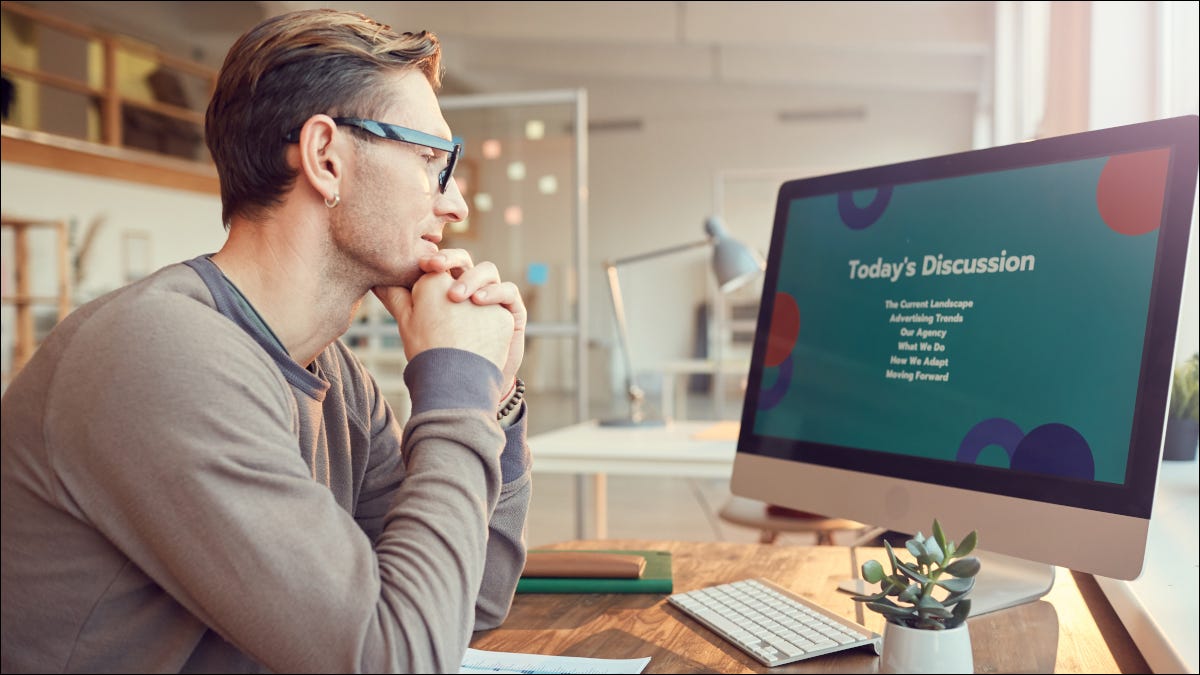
pixel 180 495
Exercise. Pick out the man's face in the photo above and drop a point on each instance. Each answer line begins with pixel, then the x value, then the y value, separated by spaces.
pixel 392 212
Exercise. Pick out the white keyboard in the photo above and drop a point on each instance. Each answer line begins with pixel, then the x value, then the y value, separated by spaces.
pixel 772 624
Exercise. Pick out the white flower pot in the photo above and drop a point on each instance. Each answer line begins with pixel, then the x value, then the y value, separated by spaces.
pixel 911 650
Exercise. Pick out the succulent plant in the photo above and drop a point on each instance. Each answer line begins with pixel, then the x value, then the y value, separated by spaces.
pixel 906 595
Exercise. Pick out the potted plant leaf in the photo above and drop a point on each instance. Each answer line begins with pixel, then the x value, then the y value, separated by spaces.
pixel 1183 413
pixel 925 604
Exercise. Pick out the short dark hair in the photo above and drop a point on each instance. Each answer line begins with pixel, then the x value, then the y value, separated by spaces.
pixel 285 70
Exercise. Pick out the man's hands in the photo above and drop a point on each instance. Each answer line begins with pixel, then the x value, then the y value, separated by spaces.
pixel 435 313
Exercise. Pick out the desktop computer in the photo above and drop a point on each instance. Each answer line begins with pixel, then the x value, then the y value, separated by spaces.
pixel 985 338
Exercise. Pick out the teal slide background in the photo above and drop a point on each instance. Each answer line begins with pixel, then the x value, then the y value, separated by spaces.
pixel 1059 344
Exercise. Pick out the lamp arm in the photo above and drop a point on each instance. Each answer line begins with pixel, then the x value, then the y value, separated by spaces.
pixel 614 289
pixel 633 391
pixel 618 304
pixel 679 248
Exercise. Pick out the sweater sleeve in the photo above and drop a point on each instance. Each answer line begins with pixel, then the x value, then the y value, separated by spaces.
pixel 506 549
pixel 505 552
pixel 183 454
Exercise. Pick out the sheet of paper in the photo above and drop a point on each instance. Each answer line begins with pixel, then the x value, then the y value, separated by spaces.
pixel 479 661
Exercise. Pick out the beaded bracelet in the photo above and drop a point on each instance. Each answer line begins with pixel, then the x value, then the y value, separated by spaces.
pixel 513 401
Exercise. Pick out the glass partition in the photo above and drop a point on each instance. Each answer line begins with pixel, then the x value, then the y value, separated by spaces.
pixel 524 175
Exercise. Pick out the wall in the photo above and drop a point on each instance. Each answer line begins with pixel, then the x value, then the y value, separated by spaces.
pixel 180 224
pixel 653 188
pixel 1151 74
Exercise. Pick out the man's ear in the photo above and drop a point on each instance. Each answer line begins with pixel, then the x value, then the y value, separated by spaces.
pixel 322 161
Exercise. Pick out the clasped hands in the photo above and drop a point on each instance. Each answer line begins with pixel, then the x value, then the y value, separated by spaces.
pixel 460 305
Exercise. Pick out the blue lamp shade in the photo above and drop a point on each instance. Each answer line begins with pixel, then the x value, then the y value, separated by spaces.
pixel 733 262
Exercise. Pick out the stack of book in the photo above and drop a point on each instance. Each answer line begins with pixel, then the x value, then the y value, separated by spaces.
pixel 604 571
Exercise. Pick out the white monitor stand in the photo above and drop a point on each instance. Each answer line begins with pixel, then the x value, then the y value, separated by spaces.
pixel 1003 581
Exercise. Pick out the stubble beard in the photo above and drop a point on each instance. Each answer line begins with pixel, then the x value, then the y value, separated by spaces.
pixel 363 260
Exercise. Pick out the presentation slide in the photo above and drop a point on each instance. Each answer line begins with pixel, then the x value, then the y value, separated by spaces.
pixel 993 318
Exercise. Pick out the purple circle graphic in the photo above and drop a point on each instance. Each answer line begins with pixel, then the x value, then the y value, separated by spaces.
pixel 858 218
pixel 1055 449
pixel 770 397
pixel 994 431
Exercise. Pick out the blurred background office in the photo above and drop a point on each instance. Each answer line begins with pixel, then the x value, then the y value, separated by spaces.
pixel 595 131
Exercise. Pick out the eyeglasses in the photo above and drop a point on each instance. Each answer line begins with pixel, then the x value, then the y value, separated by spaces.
pixel 394 132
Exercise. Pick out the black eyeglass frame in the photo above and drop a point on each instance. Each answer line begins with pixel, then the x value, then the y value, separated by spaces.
pixel 395 132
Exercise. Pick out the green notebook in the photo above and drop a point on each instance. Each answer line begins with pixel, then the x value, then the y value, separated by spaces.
pixel 656 578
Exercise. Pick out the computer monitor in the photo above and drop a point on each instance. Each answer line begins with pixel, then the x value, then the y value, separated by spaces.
pixel 986 338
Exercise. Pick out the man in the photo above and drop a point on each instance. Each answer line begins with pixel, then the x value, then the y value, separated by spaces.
pixel 198 476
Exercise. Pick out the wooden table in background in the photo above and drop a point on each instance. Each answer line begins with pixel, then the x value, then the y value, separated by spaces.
pixel 1071 630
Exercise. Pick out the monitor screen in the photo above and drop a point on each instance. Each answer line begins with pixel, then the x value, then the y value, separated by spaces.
pixel 985 338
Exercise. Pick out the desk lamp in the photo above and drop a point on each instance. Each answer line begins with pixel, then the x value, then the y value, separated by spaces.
pixel 733 263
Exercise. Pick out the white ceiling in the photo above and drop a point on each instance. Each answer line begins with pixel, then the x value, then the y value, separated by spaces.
pixel 639 59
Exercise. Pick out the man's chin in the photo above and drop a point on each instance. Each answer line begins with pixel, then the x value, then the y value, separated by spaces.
pixel 405 280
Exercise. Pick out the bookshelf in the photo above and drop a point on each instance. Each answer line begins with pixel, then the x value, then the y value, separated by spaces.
pixel 21 297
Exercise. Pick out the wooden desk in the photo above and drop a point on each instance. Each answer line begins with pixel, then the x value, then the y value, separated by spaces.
pixel 1072 629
